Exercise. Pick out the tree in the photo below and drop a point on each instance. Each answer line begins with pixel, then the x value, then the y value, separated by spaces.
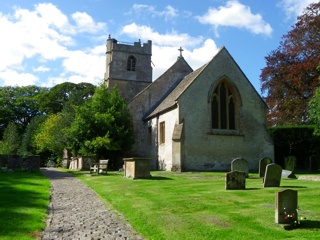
pixel 27 147
pixel 314 110
pixel 19 105
pixel 57 97
pixel 11 140
pixel 53 134
pixel 289 79
pixel 103 124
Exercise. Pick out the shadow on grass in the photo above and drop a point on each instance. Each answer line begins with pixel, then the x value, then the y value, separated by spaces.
pixel 284 186
pixel 23 202
pixel 309 224
pixel 160 178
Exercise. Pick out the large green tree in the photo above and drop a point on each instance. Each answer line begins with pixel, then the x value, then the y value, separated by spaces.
pixel 11 140
pixel 103 124
pixel 19 105
pixel 290 77
pixel 59 96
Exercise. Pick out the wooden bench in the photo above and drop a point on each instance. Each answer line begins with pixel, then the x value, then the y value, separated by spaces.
pixel 102 166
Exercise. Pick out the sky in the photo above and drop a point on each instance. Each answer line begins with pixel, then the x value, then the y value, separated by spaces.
pixel 45 43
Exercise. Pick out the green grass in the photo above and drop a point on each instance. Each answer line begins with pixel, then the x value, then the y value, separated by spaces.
pixel 24 199
pixel 197 206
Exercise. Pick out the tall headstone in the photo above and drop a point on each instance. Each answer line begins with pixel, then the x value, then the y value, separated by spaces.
pixel 235 180
pixel 272 176
pixel 286 206
pixel 240 164
pixel 263 162
pixel 313 163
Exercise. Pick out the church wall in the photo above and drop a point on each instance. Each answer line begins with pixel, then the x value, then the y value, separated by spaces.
pixel 165 149
pixel 204 150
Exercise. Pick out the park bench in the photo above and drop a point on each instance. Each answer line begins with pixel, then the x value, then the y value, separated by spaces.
pixel 101 166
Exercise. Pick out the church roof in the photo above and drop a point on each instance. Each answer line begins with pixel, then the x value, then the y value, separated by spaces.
pixel 170 101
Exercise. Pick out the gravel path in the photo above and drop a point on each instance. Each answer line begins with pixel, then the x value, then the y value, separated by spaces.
pixel 76 212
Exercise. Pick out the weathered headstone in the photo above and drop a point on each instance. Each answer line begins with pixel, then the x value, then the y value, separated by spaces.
pixel 286 206
pixel 235 180
pixel 290 163
pixel 313 163
pixel 263 162
pixel 240 164
pixel 272 176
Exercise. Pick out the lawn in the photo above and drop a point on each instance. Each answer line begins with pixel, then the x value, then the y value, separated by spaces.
pixel 197 206
pixel 24 200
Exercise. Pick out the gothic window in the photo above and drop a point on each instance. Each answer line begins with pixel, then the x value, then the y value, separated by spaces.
pixel 223 108
pixel 131 64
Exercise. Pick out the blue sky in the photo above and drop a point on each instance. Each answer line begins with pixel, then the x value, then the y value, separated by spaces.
pixel 50 42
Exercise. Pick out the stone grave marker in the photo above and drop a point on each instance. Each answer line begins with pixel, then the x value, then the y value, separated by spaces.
pixel 240 164
pixel 313 163
pixel 235 180
pixel 263 162
pixel 272 176
pixel 286 206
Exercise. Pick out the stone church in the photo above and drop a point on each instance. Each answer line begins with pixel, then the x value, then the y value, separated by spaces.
pixel 189 120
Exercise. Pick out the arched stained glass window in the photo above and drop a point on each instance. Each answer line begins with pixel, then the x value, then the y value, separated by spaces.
pixel 223 108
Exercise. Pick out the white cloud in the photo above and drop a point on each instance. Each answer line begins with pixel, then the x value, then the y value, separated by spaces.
pixel 169 39
pixel 164 57
pixel 85 23
pixel 35 38
pixel 41 69
pixel 294 8
pixel 235 14
pixel 168 13
pixel 14 78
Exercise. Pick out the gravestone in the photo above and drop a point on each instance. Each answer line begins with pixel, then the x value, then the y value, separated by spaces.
pixel 240 164
pixel 263 164
pixel 286 206
pixel 235 180
pixel 272 176
pixel 313 163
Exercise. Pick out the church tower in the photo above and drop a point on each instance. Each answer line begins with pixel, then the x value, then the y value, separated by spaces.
pixel 128 66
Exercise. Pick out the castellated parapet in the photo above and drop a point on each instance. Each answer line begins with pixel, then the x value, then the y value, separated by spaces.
pixel 128 66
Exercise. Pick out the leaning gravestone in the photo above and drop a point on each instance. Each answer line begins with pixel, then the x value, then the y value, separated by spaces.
pixel 263 164
pixel 240 164
pixel 235 180
pixel 272 176
pixel 286 206
pixel 287 174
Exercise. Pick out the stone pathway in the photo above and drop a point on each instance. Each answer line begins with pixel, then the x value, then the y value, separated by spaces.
pixel 76 212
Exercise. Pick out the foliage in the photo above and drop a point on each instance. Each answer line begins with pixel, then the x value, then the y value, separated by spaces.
pixel 53 134
pixel 291 75
pixel 297 141
pixel 19 105
pixel 27 147
pixel 103 124
pixel 59 96
pixel 314 111
pixel 194 205
pixel 24 204
pixel 11 140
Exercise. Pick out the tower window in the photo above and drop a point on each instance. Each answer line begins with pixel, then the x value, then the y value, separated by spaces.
pixel 131 64
pixel 223 108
